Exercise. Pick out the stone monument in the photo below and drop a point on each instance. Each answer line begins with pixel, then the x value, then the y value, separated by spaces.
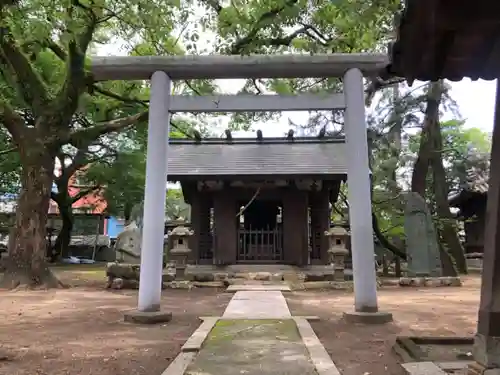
pixel 422 248
pixel 128 242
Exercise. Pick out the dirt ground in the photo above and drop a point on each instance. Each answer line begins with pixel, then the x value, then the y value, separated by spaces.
pixel 80 331
pixel 365 350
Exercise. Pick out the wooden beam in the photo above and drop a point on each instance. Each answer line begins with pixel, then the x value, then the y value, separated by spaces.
pixel 232 66
pixel 487 339
pixel 256 103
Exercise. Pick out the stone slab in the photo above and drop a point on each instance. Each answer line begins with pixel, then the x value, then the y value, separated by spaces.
pixel 453 365
pixel 258 287
pixel 317 352
pixel 378 317
pixel 253 347
pixel 257 305
pixel 179 364
pixel 195 341
pixel 422 368
pixel 142 317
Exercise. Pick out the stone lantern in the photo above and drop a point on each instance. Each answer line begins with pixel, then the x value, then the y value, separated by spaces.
pixel 337 251
pixel 180 249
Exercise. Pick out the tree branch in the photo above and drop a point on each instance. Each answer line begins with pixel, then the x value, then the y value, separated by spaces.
pixel 12 121
pixel 265 19
pixel 29 83
pixel 377 84
pixel 80 136
pixel 8 151
pixel 76 76
pixel 214 4
pixel 384 241
pixel 144 103
pixel 85 192
pixel 274 42
pixel 115 96
pixel 79 161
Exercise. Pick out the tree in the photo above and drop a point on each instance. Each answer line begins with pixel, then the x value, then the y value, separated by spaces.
pixel 72 163
pixel 176 208
pixel 43 83
pixel 121 191
pixel 10 166
pixel 463 149
pixel 447 151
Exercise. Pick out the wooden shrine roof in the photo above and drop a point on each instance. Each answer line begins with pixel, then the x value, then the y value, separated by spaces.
pixel 280 157
pixel 475 187
pixel 447 39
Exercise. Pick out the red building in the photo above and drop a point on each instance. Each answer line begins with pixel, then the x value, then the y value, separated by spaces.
pixel 92 203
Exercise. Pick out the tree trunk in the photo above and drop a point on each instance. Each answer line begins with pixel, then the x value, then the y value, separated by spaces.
pixel 447 265
pixel 396 123
pixel 422 164
pixel 26 264
pixel 429 154
pixel 447 225
pixel 127 212
pixel 63 240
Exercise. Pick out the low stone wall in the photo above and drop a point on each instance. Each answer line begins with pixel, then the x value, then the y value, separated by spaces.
pixel 429 281
pixel 126 276
pixel 416 282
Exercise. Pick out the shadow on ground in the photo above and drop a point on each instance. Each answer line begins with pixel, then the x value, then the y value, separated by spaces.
pixel 81 331
pixel 361 349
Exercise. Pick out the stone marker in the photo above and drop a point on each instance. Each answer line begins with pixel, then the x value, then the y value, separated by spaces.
pixel 422 248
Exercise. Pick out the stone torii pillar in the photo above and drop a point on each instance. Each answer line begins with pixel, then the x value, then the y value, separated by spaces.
pixel 487 340
pixel 360 205
pixel 150 282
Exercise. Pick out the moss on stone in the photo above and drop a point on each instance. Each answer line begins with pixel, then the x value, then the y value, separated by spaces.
pixel 238 329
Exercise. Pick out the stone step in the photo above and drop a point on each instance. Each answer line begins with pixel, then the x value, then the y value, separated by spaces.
pixel 282 287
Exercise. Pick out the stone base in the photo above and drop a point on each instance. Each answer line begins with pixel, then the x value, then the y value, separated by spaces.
pixel 378 317
pixel 430 281
pixel 486 350
pixel 478 369
pixel 142 317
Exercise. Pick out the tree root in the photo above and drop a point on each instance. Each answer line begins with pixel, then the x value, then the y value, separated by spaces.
pixel 15 279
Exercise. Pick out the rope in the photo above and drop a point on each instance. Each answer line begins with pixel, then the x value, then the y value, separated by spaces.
pixel 249 203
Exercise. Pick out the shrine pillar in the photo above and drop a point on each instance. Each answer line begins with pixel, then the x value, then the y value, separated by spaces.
pixel 360 205
pixel 487 340
pixel 155 195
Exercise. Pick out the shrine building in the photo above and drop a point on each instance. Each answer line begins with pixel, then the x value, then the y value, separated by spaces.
pixel 259 200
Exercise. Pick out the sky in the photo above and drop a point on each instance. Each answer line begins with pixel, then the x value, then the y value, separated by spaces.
pixel 475 99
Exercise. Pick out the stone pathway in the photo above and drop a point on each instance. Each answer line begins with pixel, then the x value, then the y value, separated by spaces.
pixel 257 305
pixel 256 335
pixel 253 347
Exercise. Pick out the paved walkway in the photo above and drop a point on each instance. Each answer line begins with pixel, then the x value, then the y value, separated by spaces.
pixel 256 335
pixel 253 347
pixel 257 305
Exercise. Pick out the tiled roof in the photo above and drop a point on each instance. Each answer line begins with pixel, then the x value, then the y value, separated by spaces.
pixel 446 39
pixel 477 180
pixel 248 157
pixel 476 185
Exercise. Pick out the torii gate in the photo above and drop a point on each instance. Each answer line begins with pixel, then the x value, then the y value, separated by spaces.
pixel 162 70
